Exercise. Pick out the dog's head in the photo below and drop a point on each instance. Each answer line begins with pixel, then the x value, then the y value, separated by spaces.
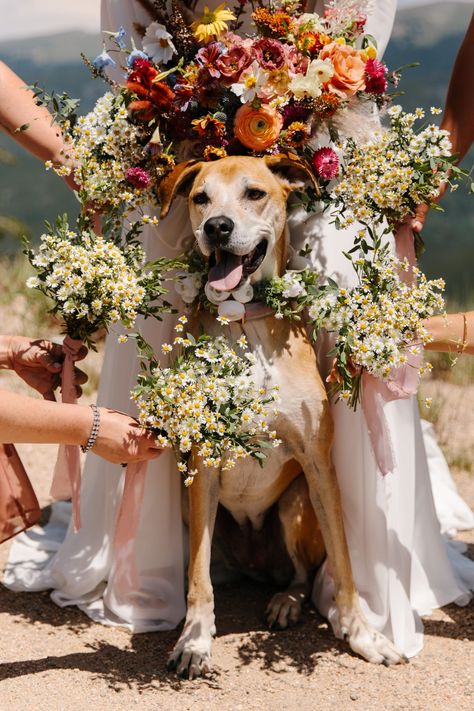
pixel 237 207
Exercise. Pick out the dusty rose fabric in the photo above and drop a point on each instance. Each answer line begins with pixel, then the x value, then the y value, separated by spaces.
pixel 126 528
pixel 66 482
pixel 19 507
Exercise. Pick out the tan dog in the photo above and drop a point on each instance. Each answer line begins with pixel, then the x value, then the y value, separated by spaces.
pixel 237 208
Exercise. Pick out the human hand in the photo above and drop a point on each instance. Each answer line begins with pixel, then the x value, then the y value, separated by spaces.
pixel 421 212
pixel 89 208
pixel 39 363
pixel 122 439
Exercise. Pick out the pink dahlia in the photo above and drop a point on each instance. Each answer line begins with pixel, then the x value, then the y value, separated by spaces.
pixel 376 79
pixel 270 53
pixel 326 163
pixel 138 177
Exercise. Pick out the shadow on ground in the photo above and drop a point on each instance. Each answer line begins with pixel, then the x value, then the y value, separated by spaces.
pixel 239 614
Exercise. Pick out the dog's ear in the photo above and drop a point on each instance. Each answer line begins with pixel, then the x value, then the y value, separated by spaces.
pixel 178 182
pixel 294 172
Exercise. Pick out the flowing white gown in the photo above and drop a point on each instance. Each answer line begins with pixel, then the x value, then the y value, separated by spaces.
pixel 399 557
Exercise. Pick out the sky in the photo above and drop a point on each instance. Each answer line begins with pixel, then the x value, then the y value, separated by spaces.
pixel 28 18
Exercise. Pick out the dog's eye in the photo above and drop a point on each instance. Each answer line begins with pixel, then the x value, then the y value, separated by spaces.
pixel 255 194
pixel 200 199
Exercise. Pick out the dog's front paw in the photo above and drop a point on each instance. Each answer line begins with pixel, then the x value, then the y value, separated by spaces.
pixel 191 656
pixel 284 609
pixel 372 645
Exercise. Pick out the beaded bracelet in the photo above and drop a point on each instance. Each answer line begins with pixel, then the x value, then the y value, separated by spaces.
pixel 463 345
pixel 94 430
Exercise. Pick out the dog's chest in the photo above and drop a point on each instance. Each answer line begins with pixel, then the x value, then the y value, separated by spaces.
pixel 247 491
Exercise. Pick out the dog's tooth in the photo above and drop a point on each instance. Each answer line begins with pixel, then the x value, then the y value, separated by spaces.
pixel 244 293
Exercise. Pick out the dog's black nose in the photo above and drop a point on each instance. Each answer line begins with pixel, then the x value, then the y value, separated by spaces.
pixel 218 230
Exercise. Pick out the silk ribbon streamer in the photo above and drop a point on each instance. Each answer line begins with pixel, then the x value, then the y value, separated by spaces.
pixel 402 382
pixel 66 482
pixel 126 529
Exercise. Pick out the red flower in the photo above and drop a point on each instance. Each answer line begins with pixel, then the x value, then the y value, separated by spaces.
pixel 151 95
pixel 138 177
pixel 376 77
pixel 326 163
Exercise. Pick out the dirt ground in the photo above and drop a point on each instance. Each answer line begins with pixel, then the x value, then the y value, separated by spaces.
pixel 54 659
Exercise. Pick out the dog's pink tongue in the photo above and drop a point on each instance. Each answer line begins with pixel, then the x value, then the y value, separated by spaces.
pixel 227 273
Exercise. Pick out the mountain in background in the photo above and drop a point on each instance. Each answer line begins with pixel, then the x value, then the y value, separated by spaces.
pixel 429 34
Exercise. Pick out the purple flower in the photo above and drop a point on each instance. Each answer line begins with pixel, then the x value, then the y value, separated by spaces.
pixel 138 177
pixel 326 163
pixel 119 37
pixel 103 60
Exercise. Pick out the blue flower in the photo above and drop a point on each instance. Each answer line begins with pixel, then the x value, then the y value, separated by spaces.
pixel 136 54
pixel 119 37
pixel 103 60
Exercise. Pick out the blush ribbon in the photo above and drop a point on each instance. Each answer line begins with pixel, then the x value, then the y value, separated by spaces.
pixel 66 482
pixel 126 529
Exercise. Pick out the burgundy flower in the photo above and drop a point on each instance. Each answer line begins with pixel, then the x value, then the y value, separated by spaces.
pixel 293 112
pixel 326 163
pixel 138 177
pixel 376 77
pixel 234 61
pixel 208 57
pixel 183 93
pixel 270 53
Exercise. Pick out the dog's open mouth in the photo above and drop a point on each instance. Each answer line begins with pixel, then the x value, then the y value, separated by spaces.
pixel 226 270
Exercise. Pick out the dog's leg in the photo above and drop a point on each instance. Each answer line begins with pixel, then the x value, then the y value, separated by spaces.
pixel 191 656
pixel 325 497
pixel 305 547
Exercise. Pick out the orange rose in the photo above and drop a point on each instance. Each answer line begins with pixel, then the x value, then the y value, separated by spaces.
pixel 349 69
pixel 257 129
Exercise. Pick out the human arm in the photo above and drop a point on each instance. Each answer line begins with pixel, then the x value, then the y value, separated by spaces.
pixel 18 108
pixel 452 333
pixel 458 116
pixel 37 362
pixel 28 420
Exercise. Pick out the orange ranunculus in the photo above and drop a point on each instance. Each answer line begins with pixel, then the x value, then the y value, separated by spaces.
pixel 257 129
pixel 349 69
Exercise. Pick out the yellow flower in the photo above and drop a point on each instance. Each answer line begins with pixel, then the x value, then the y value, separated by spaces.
pixel 212 23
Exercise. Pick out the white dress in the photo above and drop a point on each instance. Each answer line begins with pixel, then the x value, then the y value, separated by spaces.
pixel 399 558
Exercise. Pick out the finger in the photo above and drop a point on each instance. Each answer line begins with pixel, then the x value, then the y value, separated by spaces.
pixel 78 391
pixel 81 354
pixel 51 364
pixel 419 218
pixel 80 377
